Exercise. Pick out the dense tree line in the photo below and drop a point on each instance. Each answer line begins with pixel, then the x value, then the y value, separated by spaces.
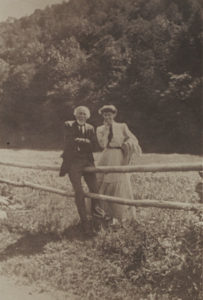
pixel 143 56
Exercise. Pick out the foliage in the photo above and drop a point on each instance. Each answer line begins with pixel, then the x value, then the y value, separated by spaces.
pixel 164 259
pixel 143 56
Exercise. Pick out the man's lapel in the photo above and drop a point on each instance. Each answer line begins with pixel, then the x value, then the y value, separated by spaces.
pixel 76 131
pixel 79 132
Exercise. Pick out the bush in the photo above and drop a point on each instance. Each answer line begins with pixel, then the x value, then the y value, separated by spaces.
pixel 162 256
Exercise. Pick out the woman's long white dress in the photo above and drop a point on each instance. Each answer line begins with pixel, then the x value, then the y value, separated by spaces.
pixel 116 184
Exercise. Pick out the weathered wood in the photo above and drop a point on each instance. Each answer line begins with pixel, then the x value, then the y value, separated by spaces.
pixel 37 187
pixel 30 166
pixel 172 167
pixel 118 200
pixel 147 203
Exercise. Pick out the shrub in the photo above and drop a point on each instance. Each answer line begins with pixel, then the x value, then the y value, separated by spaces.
pixel 162 255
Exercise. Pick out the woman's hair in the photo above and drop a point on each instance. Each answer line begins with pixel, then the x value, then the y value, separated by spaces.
pixel 108 108
pixel 84 108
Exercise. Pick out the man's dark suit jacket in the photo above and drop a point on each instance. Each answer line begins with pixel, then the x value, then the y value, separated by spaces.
pixel 72 149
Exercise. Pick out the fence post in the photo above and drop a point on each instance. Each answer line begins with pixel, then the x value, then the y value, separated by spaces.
pixel 199 187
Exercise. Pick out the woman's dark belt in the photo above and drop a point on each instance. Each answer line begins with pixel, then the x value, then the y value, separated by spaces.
pixel 109 147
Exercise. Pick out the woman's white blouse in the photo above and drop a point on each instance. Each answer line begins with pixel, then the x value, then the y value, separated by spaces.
pixel 121 134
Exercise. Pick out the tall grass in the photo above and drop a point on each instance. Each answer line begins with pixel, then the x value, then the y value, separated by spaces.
pixel 156 257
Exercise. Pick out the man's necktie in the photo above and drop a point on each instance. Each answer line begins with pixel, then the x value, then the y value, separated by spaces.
pixel 82 129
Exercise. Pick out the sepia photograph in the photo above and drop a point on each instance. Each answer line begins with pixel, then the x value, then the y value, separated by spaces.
pixel 101 150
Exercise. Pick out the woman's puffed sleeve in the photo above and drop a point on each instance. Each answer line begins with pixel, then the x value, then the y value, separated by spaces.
pixel 131 145
pixel 102 136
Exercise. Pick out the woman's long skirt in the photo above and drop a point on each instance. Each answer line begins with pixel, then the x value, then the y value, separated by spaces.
pixel 115 184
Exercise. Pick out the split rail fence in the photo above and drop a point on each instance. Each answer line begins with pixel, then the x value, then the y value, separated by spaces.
pixel 181 167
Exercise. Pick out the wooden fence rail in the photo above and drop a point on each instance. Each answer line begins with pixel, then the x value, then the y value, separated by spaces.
pixel 29 166
pixel 177 167
pixel 23 184
pixel 148 203
pixel 118 200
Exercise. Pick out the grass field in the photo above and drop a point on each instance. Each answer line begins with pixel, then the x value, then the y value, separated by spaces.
pixel 41 242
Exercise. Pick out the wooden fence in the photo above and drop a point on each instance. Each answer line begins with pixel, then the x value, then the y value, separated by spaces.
pixel 177 167
pixel 119 169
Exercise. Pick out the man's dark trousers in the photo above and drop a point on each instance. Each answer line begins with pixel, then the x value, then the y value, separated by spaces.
pixel 75 174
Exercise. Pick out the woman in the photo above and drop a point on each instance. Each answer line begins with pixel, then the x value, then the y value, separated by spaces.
pixel 119 146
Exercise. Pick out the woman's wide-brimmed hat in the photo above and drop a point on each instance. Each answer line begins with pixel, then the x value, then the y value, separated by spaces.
pixel 107 108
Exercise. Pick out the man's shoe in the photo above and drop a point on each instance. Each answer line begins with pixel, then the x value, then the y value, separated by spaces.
pixel 96 224
pixel 87 229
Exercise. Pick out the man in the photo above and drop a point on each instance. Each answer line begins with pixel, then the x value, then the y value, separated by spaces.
pixel 80 141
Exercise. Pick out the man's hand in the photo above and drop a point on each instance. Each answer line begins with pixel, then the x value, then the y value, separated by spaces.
pixel 82 140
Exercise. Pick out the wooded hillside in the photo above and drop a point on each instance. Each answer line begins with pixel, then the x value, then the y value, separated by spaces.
pixel 143 56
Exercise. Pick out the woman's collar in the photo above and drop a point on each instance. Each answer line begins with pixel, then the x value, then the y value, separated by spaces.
pixel 114 122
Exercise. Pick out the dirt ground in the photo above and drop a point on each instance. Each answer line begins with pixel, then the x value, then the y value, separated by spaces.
pixel 10 289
